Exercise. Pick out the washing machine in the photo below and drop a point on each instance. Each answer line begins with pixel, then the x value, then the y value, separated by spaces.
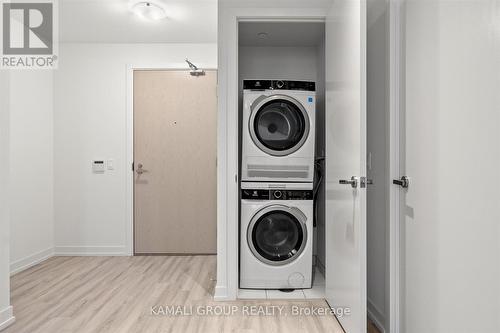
pixel 276 236
pixel 278 131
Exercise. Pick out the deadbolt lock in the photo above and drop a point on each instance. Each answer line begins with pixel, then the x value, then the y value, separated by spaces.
pixel 404 182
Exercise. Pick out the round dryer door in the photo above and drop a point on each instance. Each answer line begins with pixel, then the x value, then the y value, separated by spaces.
pixel 277 234
pixel 279 125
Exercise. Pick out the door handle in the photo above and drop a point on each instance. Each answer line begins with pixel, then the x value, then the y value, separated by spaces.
pixel 140 170
pixel 353 182
pixel 404 182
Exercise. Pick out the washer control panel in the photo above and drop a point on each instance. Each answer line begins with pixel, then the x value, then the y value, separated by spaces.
pixel 275 194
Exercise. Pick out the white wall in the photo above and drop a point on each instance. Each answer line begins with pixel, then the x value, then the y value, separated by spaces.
pixel 31 169
pixel 26 175
pixel 90 123
pixel 5 309
pixel 378 169
pixel 286 63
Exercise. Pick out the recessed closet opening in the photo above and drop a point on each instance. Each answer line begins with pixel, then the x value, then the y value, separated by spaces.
pixel 281 59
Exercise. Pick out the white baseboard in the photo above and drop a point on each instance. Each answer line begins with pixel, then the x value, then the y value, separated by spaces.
pixel 220 293
pixel 34 259
pixel 30 261
pixel 6 317
pixel 376 316
pixel 91 251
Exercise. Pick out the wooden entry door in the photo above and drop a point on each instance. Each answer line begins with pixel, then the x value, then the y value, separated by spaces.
pixel 175 143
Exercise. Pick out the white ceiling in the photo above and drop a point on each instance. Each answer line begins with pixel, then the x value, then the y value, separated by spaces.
pixel 110 21
pixel 281 33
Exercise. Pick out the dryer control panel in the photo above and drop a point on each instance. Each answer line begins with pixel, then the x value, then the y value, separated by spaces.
pixel 274 194
pixel 279 85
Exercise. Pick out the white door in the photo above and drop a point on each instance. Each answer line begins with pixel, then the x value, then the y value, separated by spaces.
pixel 346 158
pixel 450 211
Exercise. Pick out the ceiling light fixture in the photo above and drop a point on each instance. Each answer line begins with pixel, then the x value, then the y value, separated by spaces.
pixel 149 10
pixel 262 35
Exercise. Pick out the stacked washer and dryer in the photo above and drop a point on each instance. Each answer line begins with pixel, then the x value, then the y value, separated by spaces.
pixel 277 174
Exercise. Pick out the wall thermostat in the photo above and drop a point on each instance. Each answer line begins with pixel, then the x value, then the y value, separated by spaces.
pixel 98 166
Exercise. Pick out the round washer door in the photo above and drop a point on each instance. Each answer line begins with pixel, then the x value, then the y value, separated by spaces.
pixel 279 125
pixel 277 234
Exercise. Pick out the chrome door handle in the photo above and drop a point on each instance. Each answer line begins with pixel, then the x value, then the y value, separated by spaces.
pixel 140 170
pixel 353 182
pixel 404 182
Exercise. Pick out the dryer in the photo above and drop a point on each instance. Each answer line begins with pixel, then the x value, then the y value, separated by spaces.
pixel 278 131
pixel 276 236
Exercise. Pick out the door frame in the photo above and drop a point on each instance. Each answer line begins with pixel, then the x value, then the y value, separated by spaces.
pixel 396 107
pixel 129 232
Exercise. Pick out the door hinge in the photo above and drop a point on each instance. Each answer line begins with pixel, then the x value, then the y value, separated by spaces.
pixel 133 169
pixel 236 178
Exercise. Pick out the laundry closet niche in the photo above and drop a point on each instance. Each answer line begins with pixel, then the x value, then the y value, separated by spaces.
pixel 288 51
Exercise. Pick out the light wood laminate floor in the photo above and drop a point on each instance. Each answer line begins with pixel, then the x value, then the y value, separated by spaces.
pixel 118 294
